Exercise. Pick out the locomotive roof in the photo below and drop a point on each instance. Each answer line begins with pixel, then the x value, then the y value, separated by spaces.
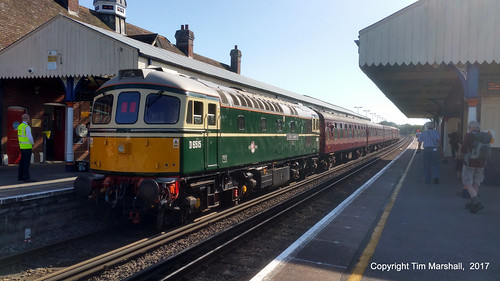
pixel 155 78
pixel 230 97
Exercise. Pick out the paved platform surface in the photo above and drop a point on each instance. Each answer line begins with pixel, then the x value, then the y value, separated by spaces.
pixel 49 179
pixel 399 228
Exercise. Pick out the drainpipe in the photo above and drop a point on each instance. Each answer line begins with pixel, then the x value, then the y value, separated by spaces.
pixel 70 90
pixel 69 154
pixel 1 122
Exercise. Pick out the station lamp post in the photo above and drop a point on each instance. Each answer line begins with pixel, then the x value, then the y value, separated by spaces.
pixel 358 107
pixel 366 112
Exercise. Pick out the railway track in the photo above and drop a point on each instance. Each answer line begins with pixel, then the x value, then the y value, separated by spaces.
pixel 192 260
pixel 174 263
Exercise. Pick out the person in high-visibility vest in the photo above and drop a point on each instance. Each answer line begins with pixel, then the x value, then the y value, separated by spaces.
pixel 26 145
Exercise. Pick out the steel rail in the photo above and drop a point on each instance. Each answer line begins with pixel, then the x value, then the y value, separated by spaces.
pixel 137 248
pixel 188 261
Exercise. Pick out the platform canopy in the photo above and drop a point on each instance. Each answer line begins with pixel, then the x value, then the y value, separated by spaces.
pixel 420 55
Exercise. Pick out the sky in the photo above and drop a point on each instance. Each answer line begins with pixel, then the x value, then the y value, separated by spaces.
pixel 306 47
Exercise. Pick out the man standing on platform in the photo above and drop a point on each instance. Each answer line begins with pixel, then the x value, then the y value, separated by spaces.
pixel 430 138
pixel 26 145
pixel 473 168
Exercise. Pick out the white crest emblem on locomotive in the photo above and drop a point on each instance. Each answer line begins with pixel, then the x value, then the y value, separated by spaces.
pixel 253 147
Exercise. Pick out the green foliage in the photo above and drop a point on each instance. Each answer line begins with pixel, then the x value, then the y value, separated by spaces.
pixel 408 129
pixel 405 129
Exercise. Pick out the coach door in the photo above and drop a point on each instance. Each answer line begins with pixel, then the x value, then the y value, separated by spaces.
pixel 211 136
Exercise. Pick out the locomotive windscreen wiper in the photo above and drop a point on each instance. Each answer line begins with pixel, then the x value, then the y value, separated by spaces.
pixel 156 98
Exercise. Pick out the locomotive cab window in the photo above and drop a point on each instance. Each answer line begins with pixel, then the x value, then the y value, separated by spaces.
pixel 194 113
pixel 161 109
pixel 128 107
pixel 101 112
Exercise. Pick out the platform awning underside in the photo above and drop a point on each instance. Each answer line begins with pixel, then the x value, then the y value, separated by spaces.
pixel 413 56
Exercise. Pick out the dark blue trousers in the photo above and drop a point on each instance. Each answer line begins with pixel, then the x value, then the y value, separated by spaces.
pixel 431 164
pixel 24 165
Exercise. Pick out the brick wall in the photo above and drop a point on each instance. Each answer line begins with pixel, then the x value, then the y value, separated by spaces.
pixel 81 113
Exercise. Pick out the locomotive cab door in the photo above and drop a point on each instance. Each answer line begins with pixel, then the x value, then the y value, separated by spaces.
pixel 211 136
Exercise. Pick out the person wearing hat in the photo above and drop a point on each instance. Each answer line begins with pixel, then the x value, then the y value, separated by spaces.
pixel 430 139
pixel 472 170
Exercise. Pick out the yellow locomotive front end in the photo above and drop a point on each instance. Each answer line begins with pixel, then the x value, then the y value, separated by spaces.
pixel 135 131
pixel 134 155
pixel 135 143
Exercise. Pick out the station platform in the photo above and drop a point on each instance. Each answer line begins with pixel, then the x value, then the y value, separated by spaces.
pixel 396 227
pixel 49 179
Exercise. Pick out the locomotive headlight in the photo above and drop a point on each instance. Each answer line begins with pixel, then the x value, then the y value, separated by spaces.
pixel 121 148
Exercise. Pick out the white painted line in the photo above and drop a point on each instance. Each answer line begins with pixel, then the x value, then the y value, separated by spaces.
pixel 31 196
pixel 37 183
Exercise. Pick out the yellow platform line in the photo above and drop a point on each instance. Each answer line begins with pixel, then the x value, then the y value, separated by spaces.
pixel 359 269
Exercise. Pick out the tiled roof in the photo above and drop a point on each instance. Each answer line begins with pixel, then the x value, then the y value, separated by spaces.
pixel 17 19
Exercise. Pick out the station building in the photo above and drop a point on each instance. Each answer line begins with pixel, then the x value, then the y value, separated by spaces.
pixel 439 59
pixel 54 55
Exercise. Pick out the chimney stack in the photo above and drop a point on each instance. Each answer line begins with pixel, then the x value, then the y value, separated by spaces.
pixel 184 40
pixel 72 5
pixel 235 59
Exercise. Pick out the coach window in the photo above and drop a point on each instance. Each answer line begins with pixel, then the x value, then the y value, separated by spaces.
pixel 263 124
pixel 128 107
pixel 212 114
pixel 241 122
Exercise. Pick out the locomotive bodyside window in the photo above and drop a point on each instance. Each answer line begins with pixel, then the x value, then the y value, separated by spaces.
pixel 241 122
pixel 101 112
pixel 263 124
pixel 161 109
pixel 128 108
pixel 292 126
pixel 279 125
pixel 212 113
